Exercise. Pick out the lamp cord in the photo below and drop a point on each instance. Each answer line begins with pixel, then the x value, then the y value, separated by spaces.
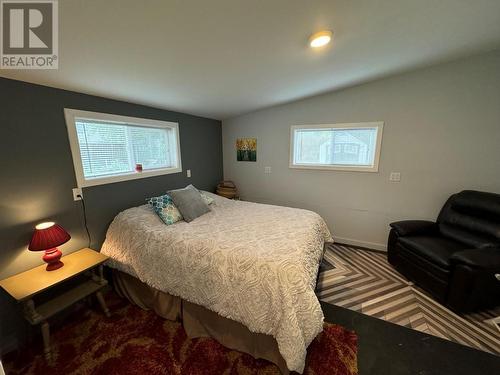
pixel 85 219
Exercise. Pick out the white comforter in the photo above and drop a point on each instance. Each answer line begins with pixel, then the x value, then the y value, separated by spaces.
pixel 253 263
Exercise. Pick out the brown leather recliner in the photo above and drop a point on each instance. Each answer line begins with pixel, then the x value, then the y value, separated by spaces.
pixel 457 258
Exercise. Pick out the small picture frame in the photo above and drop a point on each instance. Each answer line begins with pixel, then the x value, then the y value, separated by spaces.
pixel 246 149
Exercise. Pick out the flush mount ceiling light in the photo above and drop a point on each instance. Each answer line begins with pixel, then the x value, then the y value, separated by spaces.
pixel 320 39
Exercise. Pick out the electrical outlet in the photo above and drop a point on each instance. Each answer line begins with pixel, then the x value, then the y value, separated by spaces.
pixel 395 177
pixel 188 173
pixel 267 169
pixel 76 192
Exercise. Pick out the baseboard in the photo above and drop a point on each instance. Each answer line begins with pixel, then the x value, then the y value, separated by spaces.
pixel 366 244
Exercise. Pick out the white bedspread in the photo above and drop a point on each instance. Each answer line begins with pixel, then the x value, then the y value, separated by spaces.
pixel 253 263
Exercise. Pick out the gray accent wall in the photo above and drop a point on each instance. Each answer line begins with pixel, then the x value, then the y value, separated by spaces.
pixel 37 174
pixel 441 132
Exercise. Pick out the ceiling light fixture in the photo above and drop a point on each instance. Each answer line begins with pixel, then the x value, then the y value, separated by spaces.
pixel 320 39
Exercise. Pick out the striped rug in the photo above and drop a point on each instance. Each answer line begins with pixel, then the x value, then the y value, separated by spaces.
pixel 364 281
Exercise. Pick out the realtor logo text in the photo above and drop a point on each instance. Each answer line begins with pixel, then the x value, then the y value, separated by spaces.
pixel 29 37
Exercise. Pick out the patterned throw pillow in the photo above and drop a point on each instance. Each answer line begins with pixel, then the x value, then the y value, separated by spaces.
pixel 165 209
pixel 208 200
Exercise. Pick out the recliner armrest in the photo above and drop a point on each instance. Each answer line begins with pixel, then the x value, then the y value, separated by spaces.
pixel 414 227
pixel 485 258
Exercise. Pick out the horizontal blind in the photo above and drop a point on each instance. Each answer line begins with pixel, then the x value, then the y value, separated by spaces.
pixel 103 149
pixel 335 146
pixel 108 149
pixel 151 147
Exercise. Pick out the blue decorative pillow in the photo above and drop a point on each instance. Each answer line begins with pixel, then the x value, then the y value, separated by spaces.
pixel 165 209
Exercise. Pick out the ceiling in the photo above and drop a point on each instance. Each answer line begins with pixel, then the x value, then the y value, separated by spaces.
pixel 221 58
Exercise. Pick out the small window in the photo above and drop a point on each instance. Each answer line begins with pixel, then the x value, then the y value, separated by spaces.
pixel 110 148
pixel 347 147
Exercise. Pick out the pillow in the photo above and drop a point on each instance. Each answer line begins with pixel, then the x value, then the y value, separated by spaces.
pixel 189 202
pixel 165 209
pixel 208 200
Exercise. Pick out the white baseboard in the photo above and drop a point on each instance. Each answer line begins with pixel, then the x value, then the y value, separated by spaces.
pixel 368 245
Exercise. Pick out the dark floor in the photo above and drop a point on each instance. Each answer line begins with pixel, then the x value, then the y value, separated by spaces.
pixel 386 348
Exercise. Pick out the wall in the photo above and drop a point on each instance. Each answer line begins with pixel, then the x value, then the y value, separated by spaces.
pixel 37 174
pixel 442 132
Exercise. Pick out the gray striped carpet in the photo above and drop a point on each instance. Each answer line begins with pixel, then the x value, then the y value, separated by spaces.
pixel 364 281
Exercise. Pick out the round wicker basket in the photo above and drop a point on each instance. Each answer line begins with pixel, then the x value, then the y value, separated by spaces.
pixel 227 189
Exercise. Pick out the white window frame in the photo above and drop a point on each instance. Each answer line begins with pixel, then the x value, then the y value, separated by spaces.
pixel 72 115
pixel 350 168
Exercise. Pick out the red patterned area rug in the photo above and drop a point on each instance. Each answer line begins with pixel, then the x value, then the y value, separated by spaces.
pixel 134 341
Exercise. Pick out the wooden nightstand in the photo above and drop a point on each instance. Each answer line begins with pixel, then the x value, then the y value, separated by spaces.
pixel 24 286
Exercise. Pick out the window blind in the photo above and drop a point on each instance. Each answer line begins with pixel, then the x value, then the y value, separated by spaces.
pixel 109 149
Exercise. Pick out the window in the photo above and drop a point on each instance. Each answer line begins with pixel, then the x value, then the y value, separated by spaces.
pixel 347 147
pixel 108 148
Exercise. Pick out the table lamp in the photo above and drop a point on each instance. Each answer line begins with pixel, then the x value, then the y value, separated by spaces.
pixel 46 237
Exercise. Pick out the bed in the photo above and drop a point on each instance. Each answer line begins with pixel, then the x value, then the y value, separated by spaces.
pixel 248 263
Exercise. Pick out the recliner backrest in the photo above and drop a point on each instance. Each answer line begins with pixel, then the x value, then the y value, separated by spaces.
pixel 471 217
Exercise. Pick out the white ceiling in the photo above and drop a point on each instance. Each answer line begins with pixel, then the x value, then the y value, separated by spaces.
pixel 221 58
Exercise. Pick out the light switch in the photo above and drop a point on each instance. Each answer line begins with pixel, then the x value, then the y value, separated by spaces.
pixel 267 169
pixel 395 177
pixel 188 173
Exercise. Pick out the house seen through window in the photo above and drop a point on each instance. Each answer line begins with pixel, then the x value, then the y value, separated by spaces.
pixel 340 146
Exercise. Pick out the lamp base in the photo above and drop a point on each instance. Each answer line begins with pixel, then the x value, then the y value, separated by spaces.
pixel 52 257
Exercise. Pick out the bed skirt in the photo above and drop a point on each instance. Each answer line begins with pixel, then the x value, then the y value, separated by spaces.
pixel 199 321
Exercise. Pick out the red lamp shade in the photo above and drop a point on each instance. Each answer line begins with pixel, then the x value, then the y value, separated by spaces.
pixel 47 236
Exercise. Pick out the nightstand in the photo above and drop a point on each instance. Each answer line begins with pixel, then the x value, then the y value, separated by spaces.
pixel 26 285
